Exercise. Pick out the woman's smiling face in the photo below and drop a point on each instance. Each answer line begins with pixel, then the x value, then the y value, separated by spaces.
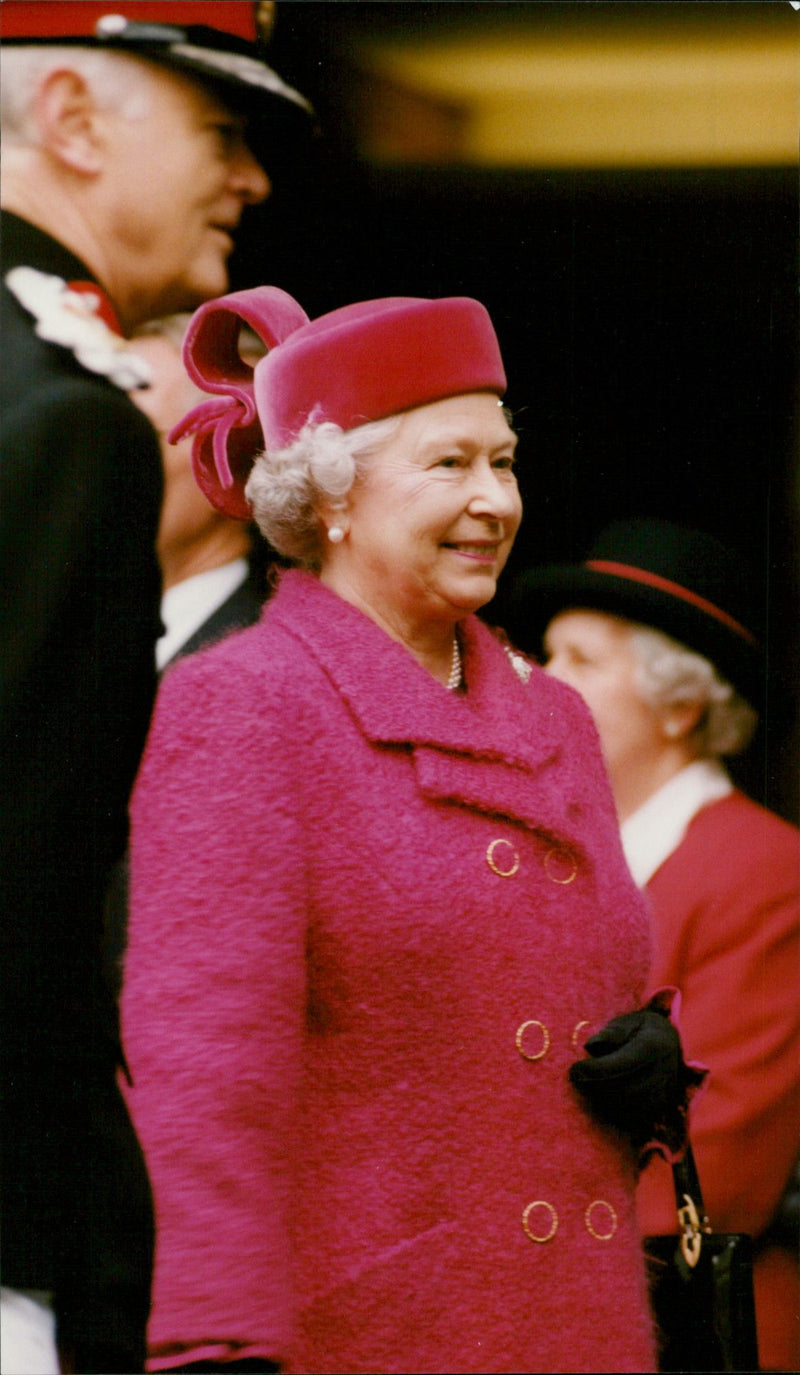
pixel 431 521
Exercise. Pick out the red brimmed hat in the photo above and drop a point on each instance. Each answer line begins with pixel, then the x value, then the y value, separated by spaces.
pixel 681 581
pixel 219 40
pixel 358 364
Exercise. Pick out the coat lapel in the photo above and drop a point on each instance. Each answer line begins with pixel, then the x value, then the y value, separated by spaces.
pixel 491 748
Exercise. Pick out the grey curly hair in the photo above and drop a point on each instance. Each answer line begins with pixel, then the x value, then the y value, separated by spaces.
pixel 287 486
pixel 668 673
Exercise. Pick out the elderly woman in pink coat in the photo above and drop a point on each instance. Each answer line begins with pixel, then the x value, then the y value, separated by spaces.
pixel 378 897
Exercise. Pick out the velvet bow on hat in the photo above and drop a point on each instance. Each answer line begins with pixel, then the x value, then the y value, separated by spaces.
pixel 681 581
pixel 361 363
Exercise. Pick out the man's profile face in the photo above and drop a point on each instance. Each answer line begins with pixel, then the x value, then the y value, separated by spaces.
pixel 177 177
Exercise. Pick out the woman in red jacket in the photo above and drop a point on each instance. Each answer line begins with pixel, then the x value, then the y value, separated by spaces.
pixel 378 897
pixel 654 633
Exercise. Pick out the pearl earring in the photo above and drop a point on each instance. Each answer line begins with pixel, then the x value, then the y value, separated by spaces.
pixel 336 534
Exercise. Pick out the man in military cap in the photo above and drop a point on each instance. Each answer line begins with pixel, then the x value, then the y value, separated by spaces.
pixel 134 135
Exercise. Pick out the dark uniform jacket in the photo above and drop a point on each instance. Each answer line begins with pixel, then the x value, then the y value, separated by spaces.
pixel 80 488
pixel 241 609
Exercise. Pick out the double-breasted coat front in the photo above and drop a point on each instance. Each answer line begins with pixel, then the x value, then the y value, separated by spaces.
pixel 372 923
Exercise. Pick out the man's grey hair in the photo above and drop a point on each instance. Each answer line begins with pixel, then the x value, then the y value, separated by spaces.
pixel 118 82
pixel 669 674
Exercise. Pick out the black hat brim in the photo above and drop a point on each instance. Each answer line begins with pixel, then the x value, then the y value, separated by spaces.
pixel 539 594
pixel 232 67
pixel 280 120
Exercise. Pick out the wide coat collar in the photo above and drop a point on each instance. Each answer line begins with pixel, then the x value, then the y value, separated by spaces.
pixel 492 748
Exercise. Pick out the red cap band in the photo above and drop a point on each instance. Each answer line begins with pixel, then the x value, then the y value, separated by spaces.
pixel 641 575
pixel 55 19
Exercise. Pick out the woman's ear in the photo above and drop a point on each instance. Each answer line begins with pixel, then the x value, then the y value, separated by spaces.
pixel 67 118
pixel 680 719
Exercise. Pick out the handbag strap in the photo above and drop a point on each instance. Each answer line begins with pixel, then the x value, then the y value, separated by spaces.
pixel 693 1221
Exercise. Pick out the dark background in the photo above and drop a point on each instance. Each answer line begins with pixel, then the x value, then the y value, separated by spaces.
pixel 648 321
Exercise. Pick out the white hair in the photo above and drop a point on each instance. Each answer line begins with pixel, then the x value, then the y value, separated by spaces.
pixel 117 81
pixel 287 486
pixel 669 674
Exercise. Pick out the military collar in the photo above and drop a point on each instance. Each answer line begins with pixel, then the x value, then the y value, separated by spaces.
pixel 70 308
pixel 25 245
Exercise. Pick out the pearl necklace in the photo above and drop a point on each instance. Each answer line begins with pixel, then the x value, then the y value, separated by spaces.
pixel 454 681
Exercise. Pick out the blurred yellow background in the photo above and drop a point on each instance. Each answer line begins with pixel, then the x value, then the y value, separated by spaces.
pixel 647 85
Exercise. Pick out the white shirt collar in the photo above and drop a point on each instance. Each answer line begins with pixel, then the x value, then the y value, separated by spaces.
pixel 651 834
pixel 188 604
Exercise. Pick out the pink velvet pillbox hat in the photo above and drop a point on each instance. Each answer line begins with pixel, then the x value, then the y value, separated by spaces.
pixel 354 365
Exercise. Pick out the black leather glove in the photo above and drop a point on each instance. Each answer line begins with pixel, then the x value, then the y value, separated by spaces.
pixel 637 1080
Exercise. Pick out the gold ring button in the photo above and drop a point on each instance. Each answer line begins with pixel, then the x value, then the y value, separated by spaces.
pixel 560 865
pixel 609 1223
pixel 552 1214
pixel 545 1038
pixel 576 1033
pixel 510 860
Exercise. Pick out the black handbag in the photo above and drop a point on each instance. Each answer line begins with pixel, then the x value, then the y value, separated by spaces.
pixel 701 1288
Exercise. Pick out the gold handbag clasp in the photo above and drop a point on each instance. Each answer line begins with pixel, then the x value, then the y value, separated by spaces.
pixel 692 1229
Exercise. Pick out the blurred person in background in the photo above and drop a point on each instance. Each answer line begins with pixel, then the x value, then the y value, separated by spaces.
pixel 378 899
pixel 126 168
pixel 214 568
pixel 654 631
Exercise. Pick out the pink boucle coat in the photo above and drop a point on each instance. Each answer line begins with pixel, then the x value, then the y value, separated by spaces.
pixel 371 921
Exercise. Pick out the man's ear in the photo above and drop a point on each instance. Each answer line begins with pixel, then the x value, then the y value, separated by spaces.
pixel 67 117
